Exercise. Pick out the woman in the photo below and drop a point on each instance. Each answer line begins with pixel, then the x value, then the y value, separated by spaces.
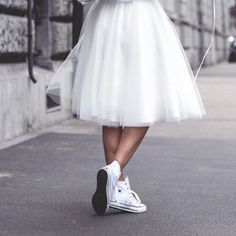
pixel 129 71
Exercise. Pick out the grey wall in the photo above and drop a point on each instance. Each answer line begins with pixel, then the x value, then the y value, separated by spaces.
pixel 13 28
pixel 22 103
pixel 193 21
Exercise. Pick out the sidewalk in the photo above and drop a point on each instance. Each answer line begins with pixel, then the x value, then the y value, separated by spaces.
pixel 184 173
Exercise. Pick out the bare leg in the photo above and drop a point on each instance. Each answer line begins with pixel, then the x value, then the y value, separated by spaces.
pixel 121 144
pixel 111 139
pixel 130 139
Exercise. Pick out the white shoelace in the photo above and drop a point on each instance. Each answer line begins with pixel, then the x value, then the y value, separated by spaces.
pixel 135 196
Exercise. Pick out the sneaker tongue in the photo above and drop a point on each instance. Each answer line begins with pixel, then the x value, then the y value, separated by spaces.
pixel 124 183
pixel 121 183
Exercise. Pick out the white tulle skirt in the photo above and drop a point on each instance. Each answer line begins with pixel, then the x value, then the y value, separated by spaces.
pixel 128 68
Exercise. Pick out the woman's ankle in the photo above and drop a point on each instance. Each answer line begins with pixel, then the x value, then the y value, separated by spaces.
pixel 122 177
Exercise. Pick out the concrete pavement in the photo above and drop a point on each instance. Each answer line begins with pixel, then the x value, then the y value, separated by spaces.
pixel 184 173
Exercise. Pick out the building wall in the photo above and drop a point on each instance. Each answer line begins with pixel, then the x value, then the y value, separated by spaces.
pixel 232 22
pixel 23 104
pixel 13 25
pixel 194 21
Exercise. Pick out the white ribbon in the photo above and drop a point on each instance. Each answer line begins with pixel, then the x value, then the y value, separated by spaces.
pixel 212 39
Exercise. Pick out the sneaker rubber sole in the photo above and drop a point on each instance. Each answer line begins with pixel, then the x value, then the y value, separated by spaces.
pixel 128 209
pixel 99 199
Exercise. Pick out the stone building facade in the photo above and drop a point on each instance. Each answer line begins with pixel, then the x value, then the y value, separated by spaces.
pixel 56 25
pixel 193 21
pixel 233 18
pixel 23 104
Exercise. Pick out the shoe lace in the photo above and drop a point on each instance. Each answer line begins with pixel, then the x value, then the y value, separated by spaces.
pixel 133 194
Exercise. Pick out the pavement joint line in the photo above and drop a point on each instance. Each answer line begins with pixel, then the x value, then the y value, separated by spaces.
pixel 35 134
pixel 20 139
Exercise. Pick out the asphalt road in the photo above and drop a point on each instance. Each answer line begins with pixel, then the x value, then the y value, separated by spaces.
pixel 188 185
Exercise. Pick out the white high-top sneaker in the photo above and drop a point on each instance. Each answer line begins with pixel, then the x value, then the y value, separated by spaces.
pixel 123 198
pixel 107 178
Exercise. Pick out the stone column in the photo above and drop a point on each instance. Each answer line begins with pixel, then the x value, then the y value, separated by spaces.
pixel 77 20
pixel 43 34
pixel 201 30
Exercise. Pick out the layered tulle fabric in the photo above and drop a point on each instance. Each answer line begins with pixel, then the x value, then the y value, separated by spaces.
pixel 128 68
